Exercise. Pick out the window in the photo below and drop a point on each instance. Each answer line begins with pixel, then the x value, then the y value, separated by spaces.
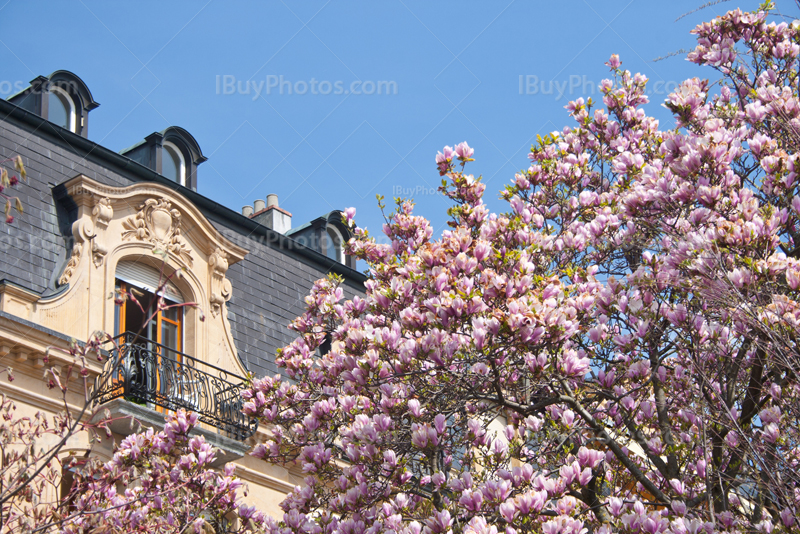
pixel 146 324
pixel 172 163
pixel 142 281
pixel 152 338
pixel 162 327
pixel 333 244
pixel 60 108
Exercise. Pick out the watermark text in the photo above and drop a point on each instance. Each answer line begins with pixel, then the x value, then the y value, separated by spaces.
pixel 277 84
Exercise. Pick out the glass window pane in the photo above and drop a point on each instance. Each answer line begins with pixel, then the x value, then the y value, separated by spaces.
pixel 332 245
pixel 58 110
pixel 169 337
pixel 171 313
pixel 171 165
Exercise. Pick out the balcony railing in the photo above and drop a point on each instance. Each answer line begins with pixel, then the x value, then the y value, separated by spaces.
pixel 148 373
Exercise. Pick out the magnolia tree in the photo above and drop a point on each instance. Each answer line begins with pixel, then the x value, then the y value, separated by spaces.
pixel 156 481
pixel 159 482
pixel 618 352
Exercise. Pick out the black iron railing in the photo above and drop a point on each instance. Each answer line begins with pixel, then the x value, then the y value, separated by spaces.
pixel 148 373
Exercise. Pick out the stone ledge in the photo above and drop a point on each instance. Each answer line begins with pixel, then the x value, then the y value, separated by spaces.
pixel 122 411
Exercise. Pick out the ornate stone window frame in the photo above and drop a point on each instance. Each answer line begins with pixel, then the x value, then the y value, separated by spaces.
pixel 151 223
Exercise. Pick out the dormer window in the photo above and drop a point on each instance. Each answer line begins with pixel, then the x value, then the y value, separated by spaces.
pixel 61 98
pixel 173 153
pixel 326 235
pixel 61 108
pixel 173 166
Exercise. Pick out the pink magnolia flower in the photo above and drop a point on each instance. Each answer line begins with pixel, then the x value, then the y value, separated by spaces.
pixel 567 417
pixel 787 517
pixel 444 159
pixel 590 457
pixel 415 408
pixel 677 485
pixel 463 151
pixel 478 525
pixel 508 511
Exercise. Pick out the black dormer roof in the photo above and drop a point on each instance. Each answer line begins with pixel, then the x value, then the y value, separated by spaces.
pixel 34 99
pixel 149 152
pixel 310 234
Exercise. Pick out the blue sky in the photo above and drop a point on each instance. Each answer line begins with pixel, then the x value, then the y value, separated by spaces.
pixel 452 71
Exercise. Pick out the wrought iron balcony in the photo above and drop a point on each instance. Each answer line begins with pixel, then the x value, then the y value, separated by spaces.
pixel 151 374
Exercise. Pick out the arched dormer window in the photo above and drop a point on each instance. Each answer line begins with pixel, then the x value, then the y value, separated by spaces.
pixel 173 153
pixel 61 98
pixel 327 235
pixel 334 236
pixel 151 334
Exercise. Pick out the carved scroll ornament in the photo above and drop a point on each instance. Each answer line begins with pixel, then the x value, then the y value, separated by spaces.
pixel 221 288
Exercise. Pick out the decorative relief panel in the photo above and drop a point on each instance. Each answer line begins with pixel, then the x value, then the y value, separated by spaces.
pixel 158 223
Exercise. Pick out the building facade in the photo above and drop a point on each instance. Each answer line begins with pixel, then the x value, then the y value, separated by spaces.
pixel 97 223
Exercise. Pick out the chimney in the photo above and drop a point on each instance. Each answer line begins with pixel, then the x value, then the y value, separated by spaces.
pixel 247 211
pixel 271 215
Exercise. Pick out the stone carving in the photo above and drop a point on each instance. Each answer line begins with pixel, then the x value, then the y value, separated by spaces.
pixel 221 288
pixel 101 214
pixel 86 229
pixel 159 224
pixel 72 264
